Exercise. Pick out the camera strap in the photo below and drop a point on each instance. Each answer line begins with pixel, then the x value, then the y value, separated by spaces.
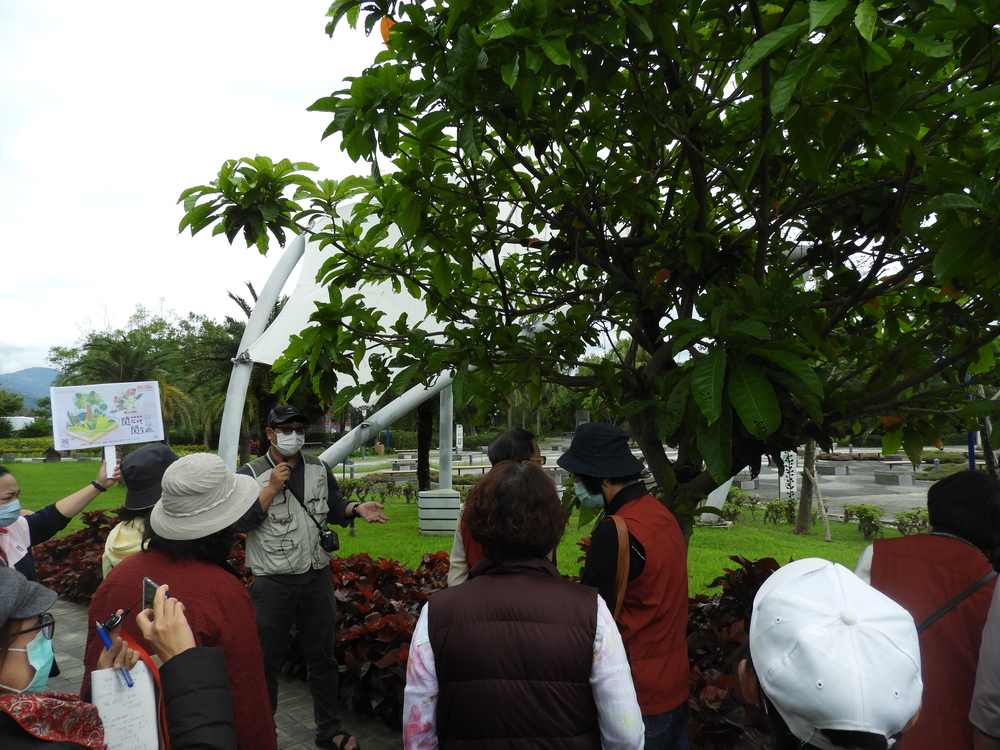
pixel 288 489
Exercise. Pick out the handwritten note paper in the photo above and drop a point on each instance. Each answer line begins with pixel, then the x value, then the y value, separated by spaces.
pixel 128 714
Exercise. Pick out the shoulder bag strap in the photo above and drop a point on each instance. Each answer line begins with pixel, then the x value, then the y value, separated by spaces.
pixel 621 576
pixel 951 605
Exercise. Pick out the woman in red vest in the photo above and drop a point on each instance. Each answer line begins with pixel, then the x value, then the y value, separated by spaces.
pixel 926 574
pixel 653 614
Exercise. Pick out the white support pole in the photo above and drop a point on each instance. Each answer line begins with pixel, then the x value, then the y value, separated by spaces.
pixel 445 445
pixel 236 394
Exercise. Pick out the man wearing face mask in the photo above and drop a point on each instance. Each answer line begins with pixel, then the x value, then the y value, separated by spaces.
pixel 285 550
pixel 652 615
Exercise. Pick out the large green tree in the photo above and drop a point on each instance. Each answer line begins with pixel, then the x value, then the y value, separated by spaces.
pixel 787 209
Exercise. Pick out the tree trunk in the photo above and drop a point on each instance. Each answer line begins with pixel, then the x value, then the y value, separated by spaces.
pixel 425 434
pixel 510 417
pixel 538 422
pixel 803 522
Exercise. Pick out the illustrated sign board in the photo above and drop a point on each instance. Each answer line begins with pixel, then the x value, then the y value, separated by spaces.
pixel 104 414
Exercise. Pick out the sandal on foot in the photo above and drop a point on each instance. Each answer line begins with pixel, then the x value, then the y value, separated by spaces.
pixel 333 743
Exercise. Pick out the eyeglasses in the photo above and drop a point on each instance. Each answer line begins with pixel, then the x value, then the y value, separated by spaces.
pixel 47 626
pixel 290 430
pixel 539 459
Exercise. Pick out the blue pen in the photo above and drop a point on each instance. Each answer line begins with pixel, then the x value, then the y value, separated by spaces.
pixel 107 644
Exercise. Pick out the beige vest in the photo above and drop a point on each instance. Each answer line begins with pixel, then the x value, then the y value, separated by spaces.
pixel 287 542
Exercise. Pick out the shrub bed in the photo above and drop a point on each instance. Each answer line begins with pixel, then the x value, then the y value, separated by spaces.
pixel 378 601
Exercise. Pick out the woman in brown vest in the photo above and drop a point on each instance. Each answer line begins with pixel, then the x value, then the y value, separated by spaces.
pixel 516 656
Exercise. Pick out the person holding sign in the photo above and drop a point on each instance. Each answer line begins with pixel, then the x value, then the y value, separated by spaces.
pixel 18 533
pixel 288 550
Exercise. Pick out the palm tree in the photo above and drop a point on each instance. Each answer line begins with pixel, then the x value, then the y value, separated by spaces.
pixel 129 356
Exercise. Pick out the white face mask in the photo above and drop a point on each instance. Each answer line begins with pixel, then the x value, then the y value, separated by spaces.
pixel 289 444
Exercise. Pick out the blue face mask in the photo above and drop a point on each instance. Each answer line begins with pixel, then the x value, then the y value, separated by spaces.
pixel 40 657
pixel 9 512
pixel 586 499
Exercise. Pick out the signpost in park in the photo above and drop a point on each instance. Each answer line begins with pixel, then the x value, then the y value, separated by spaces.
pixel 105 415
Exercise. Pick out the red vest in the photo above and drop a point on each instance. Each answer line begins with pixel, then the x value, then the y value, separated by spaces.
pixel 653 618
pixel 922 573
pixel 513 653
pixel 473 549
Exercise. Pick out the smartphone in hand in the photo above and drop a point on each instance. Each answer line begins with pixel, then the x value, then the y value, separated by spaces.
pixel 148 592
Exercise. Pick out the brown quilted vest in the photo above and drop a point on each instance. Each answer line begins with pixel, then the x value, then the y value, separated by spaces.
pixel 513 648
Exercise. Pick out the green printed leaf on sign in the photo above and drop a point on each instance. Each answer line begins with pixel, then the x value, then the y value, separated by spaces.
pixel 708 382
pixel 754 400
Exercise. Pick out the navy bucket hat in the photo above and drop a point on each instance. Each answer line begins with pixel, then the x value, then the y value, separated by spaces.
pixel 600 450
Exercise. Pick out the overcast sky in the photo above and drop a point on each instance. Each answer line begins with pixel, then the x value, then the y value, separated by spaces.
pixel 108 110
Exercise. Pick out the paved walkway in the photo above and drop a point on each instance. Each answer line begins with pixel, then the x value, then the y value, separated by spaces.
pixel 294 717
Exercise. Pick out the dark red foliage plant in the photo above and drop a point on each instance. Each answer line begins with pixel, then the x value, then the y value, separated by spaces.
pixel 378 602
pixel 71 564
pixel 717 636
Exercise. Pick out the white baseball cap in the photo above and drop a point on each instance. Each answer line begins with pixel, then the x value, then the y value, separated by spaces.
pixel 831 652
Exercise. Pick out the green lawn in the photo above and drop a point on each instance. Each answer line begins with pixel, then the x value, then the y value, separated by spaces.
pixel 42 484
pixel 400 539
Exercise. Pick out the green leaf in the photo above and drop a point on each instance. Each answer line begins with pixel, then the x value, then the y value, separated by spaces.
pixel 822 12
pixel 979 407
pixel 951 201
pixel 708 384
pixel 715 443
pixel 433 122
pixel 556 51
pixel 876 58
pixel 865 17
pixel 949 4
pixel 988 95
pixel 794 365
pixel 782 92
pixel 750 328
pixel 509 73
pixel 892 442
pixel 769 43
pixel 959 254
pixel 986 361
pixel 754 400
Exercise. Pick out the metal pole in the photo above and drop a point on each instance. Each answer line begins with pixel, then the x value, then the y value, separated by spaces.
pixel 445 426
pixel 239 381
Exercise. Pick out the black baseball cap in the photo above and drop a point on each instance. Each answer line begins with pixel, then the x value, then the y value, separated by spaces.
pixel 282 414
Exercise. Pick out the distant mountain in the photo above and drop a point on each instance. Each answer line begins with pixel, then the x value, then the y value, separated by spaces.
pixel 32 383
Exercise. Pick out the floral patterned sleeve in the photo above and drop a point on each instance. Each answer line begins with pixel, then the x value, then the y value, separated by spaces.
pixel 618 714
pixel 421 693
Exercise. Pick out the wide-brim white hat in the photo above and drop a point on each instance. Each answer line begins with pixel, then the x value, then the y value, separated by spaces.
pixel 831 652
pixel 199 496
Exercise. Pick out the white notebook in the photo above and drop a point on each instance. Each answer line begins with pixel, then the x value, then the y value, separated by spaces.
pixel 128 713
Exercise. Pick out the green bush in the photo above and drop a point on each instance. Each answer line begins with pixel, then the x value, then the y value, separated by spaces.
pixel 780 511
pixel 869 519
pixel 738 502
pixel 913 521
